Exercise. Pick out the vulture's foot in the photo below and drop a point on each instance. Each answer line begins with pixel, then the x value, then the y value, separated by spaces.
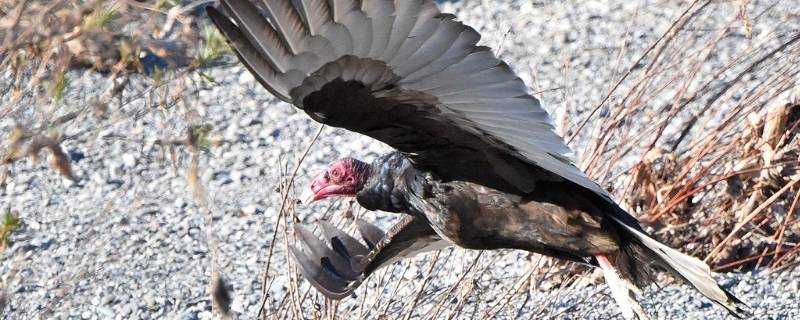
pixel 334 266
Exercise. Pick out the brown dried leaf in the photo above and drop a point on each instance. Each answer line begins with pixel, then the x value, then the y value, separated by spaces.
pixel 59 161
pixel 775 125
pixel 57 158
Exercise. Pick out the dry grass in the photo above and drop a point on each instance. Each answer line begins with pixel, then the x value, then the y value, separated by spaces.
pixel 160 40
pixel 712 168
pixel 167 43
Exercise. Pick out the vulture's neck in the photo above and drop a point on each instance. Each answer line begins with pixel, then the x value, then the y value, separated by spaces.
pixel 392 185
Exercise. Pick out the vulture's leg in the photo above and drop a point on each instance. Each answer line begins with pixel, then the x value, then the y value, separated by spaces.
pixel 621 290
pixel 339 264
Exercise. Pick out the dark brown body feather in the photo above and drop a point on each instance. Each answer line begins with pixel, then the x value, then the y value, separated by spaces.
pixel 555 221
pixel 478 217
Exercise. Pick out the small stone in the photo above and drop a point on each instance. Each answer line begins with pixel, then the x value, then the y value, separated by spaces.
pixel 246 78
pixel 794 286
pixel 727 283
pixel 149 301
pixel 179 202
pixel 236 175
pixel 250 210
pixel 41 242
pixel 129 160
pixel 105 312
pixel 67 182
pixel 126 310
pixel 76 156
pixel 21 188
pixel 252 172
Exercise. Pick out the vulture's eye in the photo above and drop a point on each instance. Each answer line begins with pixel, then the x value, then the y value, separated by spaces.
pixel 335 173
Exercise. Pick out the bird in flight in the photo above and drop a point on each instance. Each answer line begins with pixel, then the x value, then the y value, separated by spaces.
pixel 476 164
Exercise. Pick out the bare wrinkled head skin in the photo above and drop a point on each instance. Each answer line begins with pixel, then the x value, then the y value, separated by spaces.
pixel 343 178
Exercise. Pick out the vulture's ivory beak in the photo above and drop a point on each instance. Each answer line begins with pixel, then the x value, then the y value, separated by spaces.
pixel 307 197
pixel 315 191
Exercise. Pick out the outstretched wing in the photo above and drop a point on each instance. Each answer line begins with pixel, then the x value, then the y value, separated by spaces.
pixel 406 74
pixel 337 265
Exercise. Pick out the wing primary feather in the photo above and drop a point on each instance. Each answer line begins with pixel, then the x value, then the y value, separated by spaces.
pixel 381 14
pixel 314 13
pixel 423 26
pixel 455 52
pixel 371 234
pixel 325 281
pixel 258 30
pixel 287 23
pixel 255 63
pixel 404 20
pixel 323 253
pixel 340 8
pixel 352 246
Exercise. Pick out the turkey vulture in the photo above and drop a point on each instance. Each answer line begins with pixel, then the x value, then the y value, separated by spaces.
pixel 477 163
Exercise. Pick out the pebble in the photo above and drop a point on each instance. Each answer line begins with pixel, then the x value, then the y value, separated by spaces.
pixel 250 209
pixel 126 309
pixel 149 301
pixel 105 312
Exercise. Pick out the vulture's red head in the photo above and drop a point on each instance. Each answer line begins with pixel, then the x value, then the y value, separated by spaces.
pixel 345 177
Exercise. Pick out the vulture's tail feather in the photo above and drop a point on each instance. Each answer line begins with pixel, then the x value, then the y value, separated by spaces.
pixel 692 270
pixel 622 290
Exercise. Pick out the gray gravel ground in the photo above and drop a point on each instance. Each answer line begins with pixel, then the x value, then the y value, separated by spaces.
pixel 128 241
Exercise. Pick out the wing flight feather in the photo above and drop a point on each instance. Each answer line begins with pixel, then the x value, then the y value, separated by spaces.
pixel 447 95
pixel 337 264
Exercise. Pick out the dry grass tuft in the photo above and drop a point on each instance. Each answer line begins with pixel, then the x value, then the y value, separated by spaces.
pixel 46 40
pixel 164 44
pixel 713 166
pixel 24 144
